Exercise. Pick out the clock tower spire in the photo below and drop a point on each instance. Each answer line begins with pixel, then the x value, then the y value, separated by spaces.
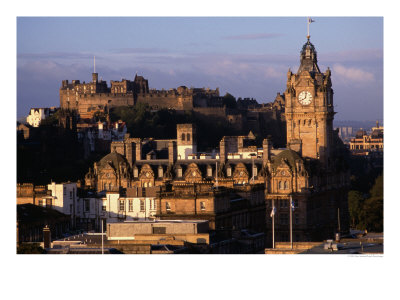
pixel 309 108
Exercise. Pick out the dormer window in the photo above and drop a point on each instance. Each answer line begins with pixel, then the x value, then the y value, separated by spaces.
pixel 229 171
pixel 209 172
pixel 179 172
pixel 135 172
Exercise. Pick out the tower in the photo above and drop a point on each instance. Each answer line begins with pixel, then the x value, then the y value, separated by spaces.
pixel 309 107
pixel 186 140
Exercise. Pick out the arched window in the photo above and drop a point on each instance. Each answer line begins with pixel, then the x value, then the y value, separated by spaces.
pixel 280 185
pixel 188 137
pixel 229 172
pixel 183 136
pixel 286 186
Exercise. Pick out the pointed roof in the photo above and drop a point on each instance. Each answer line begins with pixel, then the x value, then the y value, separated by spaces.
pixel 308 59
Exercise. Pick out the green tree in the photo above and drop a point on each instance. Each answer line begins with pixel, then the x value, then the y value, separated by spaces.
pixel 356 201
pixel 30 249
pixel 371 217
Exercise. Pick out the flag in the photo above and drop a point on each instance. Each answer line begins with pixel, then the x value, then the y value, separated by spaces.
pixel 292 204
pixel 273 212
pixel 310 20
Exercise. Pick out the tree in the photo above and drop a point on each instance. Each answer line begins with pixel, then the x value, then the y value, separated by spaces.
pixel 371 216
pixel 356 201
pixel 30 249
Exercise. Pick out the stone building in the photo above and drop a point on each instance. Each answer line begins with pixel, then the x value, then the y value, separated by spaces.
pixel 88 98
pixel 364 142
pixel 311 170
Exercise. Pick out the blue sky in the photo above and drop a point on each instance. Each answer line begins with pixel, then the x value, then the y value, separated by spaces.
pixel 245 56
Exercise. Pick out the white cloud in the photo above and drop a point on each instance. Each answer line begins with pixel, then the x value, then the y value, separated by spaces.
pixel 351 74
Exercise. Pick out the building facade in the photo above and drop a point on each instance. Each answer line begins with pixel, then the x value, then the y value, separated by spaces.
pixel 308 175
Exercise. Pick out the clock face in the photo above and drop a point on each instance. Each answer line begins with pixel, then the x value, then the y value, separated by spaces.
pixel 305 98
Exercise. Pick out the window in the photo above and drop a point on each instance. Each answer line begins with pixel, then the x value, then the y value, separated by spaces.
pixel 188 137
pixel 229 172
pixel 209 172
pixel 280 185
pixel 167 206
pixel 70 194
pixel 202 205
pixel 255 171
pixel 121 205
pixel 105 186
pixel 286 185
pixel 135 172
pixel 65 191
pixel 296 219
pixel 130 205
pixel 284 219
pixel 183 136
pixel 103 207
pixel 155 204
pixel 87 205
pixel 179 172
pixel 142 205
pixel 159 230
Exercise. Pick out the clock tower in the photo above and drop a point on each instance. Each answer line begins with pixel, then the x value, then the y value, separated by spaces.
pixel 309 107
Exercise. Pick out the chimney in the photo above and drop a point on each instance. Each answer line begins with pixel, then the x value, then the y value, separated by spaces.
pixel 46 237
pixel 266 150
pixel 171 152
pixel 138 149
pixel 95 77
pixel 222 155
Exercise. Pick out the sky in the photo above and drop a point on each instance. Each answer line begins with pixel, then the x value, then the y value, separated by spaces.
pixel 247 57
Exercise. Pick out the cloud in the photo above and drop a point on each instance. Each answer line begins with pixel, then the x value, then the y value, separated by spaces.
pixel 55 55
pixel 140 50
pixel 254 36
pixel 362 55
pixel 352 74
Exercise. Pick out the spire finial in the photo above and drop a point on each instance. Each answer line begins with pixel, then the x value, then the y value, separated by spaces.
pixel 309 21
pixel 94 64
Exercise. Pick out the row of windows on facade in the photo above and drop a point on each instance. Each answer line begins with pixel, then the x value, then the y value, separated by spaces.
pixel 179 172
pixel 284 219
pixel 305 122
pixel 153 205
pixel 187 137
pixel 71 193
pixel 202 206
pixel 283 203
pixel 361 147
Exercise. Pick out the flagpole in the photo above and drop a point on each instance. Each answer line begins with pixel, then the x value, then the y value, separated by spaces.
pixel 216 174
pixel 291 223
pixel 273 224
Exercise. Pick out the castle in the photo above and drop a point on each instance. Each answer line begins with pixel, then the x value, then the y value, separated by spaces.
pixel 309 176
pixel 87 98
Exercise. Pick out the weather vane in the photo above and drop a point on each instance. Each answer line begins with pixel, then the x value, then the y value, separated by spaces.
pixel 309 21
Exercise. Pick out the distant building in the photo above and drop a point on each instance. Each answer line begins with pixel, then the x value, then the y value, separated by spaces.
pixel 36 115
pixel 65 198
pixel 31 219
pixel 364 143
